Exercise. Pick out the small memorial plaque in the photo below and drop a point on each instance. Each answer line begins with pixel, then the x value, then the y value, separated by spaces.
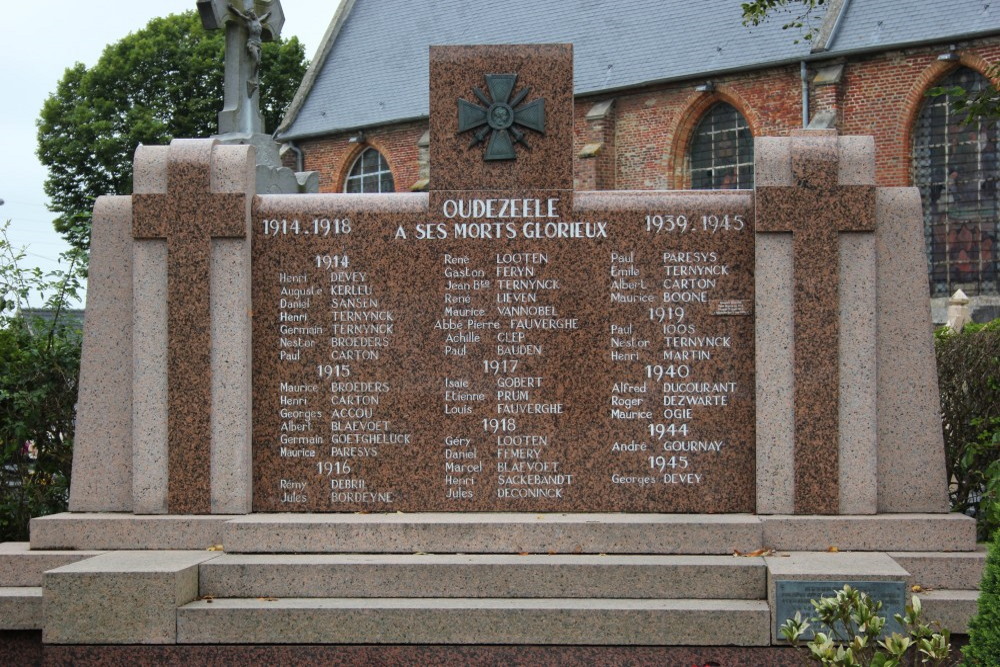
pixel 797 595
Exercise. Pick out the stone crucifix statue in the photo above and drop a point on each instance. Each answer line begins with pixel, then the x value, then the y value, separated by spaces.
pixel 255 30
pixel 248 24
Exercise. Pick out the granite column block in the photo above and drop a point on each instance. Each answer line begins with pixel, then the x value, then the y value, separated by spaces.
pixel 911 468
pixel 102 448
pixel 188 196
pixel 123 597
pixel 858 418
pixel 775 366
pixel 817 194
pixel 149 378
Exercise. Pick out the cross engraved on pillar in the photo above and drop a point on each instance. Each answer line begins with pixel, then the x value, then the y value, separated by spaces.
pixel 816 210
pixel 189 215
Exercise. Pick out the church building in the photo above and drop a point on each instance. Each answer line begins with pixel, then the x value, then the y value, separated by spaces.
pixel 670 94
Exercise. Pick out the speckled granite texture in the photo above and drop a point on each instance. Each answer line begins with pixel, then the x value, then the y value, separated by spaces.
pixel 816 209
pixel 619 326
pixel 102 453
pixel 455 71
pixel 206 193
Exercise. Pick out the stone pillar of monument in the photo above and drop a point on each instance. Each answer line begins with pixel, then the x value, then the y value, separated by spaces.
pixel 191 328
pixel 841 324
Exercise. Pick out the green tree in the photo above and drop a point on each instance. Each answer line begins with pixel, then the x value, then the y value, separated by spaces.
pixel 39 366
pixel 161 82
pixel 799 13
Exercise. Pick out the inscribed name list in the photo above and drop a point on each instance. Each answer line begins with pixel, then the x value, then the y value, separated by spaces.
pixel 504 353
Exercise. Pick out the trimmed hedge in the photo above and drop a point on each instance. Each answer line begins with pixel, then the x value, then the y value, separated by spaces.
pixel 969 379
pixel 984 629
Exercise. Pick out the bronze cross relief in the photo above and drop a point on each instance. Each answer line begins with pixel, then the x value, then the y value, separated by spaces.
pixel 816 210
pixel 189 215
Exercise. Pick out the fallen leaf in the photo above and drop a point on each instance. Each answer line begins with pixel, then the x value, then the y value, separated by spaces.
pixel 916 588
pixel 524 553
pixel 754 554
pixel 832 550
pixel 215 547
pixel 552 552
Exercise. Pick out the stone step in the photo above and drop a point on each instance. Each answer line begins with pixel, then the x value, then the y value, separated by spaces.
pixel 875 532
pixel 497 533
pixel 21 608
pixel 952 609
pixel 510 533
pixel 959 571
pixel 104 531
pixel 474 621
pixel 486 576
pixel 20 566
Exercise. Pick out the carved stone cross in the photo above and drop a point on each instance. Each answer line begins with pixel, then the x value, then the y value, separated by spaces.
pixel 816 210
pixel 206 197
pixel 247 23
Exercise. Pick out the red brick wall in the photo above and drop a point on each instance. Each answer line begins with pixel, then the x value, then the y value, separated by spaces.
pixel 646 134
pixel 333 156
pixel 882 96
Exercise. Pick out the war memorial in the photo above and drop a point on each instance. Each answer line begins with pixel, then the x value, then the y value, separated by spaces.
pixel 499 420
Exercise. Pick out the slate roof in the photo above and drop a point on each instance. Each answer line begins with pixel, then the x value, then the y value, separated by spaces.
pixel 372 67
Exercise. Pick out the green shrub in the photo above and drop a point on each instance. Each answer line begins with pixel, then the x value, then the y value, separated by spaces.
pixel 849 628
pixel 39 367
pixel 969 379
pixel 984 629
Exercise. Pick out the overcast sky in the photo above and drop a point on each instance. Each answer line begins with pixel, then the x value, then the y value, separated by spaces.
pixel 43 38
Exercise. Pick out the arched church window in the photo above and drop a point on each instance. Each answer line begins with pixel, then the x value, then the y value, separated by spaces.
pixel 369 173
pixel 721 154
pixel 955 168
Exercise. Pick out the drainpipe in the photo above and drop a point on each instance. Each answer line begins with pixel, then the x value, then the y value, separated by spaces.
pixel 804 73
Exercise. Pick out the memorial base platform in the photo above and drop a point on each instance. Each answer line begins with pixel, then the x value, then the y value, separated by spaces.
pixel 423 580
